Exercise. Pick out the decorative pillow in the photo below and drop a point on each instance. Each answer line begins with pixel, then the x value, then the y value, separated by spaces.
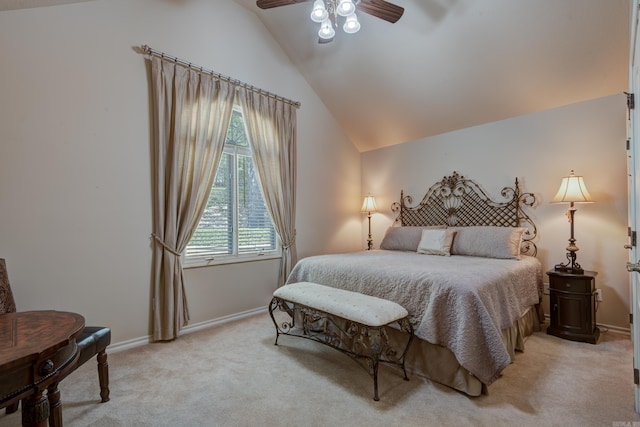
pixel 436 242
pixel 404 238
pixel 490 242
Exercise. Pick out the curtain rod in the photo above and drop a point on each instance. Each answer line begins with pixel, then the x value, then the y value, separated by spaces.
pixel 149 51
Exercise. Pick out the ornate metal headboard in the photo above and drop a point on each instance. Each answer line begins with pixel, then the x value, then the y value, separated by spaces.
pixel 458 201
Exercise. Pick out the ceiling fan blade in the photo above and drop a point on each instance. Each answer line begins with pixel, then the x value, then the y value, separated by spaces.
pixel 268 4
pixel 381 9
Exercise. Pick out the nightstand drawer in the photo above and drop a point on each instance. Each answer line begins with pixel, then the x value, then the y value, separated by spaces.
pixel 570 284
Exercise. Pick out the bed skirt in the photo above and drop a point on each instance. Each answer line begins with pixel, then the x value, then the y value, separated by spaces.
pixel 439 364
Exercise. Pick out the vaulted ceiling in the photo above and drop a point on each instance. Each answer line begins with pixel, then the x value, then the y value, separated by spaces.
pixel 27 4
pixel 451 64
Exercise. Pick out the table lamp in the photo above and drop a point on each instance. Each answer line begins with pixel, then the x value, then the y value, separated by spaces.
pixel 572 190
pixel 369 207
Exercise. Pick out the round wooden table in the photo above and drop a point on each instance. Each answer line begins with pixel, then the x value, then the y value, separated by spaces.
pixel 36 348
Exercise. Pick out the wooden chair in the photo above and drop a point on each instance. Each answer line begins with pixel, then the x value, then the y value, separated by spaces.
pixel 92 341
pixel 7 304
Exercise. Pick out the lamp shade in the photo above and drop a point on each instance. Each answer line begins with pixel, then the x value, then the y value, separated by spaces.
pixel 319 12
pixel 326 30
pixel 346 7
pixel 369 204
pixel 572 190
pixel 351 25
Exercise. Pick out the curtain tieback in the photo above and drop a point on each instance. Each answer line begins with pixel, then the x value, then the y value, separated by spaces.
pixel 291 242
pixel 164 245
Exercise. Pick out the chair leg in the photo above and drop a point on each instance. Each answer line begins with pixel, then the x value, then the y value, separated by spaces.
pixel 103 375
pixel 55 406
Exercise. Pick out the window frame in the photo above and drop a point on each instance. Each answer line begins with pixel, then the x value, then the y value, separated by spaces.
pixel 235 257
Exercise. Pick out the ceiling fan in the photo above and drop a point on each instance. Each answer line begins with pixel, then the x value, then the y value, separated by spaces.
pixel 326 13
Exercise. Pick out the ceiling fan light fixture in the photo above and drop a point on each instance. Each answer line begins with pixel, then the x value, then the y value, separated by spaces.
pixel 327 12
pixel 351 25
pixel 326 30
pixel 346 7
pixel 319 13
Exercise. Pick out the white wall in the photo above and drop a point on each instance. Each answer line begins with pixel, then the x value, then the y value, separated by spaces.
pixel 75 213
pixel 539 149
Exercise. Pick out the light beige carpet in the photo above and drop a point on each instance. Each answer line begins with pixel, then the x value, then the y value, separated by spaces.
pixel 234 376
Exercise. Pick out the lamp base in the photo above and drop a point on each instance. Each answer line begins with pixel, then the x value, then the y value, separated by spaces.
pixel 571 266
pixel 568 269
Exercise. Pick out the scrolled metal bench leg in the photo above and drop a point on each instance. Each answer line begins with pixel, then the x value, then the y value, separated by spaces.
pixel 285 327
pixel 406 325
pixel 272 306
pixel 375 348
pixel 375 382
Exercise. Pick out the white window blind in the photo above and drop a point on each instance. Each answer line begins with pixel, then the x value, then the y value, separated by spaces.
pixel 235 222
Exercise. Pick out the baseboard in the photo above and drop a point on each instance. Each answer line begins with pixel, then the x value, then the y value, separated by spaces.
pixel 222 320
pixel 614 329
pixel 138 342
pixel 605 328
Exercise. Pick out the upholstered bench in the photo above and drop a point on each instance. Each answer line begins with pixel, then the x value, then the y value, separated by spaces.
pixel 348 321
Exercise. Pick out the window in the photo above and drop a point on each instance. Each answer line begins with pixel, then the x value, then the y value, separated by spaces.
pixel 235 224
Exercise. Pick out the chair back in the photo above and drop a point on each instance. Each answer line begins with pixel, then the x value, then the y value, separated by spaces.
pixel 7 304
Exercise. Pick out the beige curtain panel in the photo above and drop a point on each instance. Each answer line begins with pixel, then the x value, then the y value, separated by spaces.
pixel 191 114
pixel 271 127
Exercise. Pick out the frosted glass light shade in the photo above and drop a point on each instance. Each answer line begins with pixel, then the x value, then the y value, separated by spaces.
pixel 319 12
pixel 326 30
pixel 346 8
pixel 351 25
pixel 572 190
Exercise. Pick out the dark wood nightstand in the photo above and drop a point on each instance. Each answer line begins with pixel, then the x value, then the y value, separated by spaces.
pixel 572 301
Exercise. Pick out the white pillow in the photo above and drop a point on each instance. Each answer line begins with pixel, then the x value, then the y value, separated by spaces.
pixel 436 242
pixel 404 238
pixel 489 241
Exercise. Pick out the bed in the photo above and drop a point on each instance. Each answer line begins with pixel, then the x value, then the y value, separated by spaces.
pixel 464 267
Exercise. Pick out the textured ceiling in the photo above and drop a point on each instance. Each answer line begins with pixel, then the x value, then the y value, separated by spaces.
pixel 451 64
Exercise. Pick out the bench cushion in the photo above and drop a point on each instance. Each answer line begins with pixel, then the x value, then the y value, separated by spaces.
pixel 360 308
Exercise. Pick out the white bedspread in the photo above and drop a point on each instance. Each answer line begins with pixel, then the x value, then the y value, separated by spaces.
pixel 459 302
